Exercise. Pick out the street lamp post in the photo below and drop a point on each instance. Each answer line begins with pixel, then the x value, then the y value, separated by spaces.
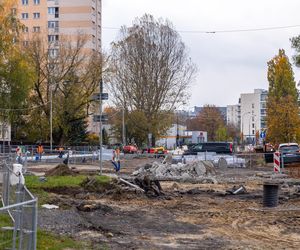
pixel 100 101
pixel 123 126
pixel 100 124
pixel 51 110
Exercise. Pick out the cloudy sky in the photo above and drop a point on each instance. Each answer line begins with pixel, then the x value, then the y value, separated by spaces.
pixel 228 63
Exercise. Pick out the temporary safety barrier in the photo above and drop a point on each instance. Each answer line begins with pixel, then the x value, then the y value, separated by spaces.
pixel 277 162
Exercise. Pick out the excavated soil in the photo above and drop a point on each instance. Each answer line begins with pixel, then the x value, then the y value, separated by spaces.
pixel 186 216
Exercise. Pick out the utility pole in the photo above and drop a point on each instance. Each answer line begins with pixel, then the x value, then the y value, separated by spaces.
pixel 123 126
pixel 101 91
pixel 51 110
pixel 100 123
pixel 3 133
pixel 177 135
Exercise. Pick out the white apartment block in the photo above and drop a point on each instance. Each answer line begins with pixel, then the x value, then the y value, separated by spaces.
pixel 53 18
pixel 234 115
pixel 253 113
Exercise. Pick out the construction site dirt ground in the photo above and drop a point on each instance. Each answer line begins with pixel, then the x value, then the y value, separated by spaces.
pixel 186 216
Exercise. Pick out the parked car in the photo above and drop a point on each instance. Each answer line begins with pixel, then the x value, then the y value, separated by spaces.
pixel 155 150
pixel 217 147
pixel 130 149
pixel 290 153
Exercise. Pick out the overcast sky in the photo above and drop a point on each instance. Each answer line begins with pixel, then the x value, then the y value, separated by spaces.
pixel 228 63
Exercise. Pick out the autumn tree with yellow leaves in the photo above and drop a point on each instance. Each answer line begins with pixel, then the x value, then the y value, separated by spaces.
pixel 283 119
pixel 16 74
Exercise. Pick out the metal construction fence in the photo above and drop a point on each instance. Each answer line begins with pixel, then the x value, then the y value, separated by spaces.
pixel 236 160
pixel 18 210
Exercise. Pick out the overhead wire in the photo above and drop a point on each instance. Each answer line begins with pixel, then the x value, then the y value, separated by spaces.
pixel 227 31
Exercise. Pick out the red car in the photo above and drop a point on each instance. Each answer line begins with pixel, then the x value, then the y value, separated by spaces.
pixel 130 149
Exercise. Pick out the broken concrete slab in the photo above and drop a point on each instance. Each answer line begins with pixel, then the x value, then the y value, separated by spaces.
pixel 178 171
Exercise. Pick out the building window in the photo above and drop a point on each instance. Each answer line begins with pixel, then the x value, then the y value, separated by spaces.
pixel 253 132
pixel 25 43
pixel 53 53
pixel 52 24
pixel 36 15
pixel 51 10
pixel 14 11
pixel 36 29
pixel 24 15
pixel 36 2
pixel 53 38
pixel 24 2
pixel 25 29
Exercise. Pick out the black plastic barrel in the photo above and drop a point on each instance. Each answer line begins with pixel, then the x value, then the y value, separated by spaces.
pixel 270 197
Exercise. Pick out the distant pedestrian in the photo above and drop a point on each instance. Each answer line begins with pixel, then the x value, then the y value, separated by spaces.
pixel 40 151
pixel 116 159
pixel 19 154
pixel 60 152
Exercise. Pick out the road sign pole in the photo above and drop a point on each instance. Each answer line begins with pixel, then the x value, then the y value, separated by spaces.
pixel 100 101
pixel 100 127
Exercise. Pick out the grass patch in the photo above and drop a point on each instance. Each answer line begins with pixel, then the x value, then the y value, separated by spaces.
pixel 49 241
pixel 5 220
pixel 45 240
pixel 33 182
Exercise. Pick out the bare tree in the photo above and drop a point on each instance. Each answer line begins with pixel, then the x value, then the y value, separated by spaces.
pixel 209 119
pixel 72 72
pixel 151 70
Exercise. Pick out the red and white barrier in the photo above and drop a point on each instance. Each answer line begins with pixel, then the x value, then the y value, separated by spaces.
pixel 277 162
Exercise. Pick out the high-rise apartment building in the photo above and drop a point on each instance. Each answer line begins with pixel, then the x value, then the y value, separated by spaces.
pixel 253 113
pixel 54 18
pixel 234 115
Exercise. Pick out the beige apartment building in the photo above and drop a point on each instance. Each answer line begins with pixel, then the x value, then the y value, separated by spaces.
pixel 54 18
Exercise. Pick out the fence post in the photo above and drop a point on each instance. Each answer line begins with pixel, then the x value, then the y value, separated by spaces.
pixel 34 223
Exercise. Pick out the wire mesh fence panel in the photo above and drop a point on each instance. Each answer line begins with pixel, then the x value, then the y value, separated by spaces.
pixel 6 231
pixel 18 210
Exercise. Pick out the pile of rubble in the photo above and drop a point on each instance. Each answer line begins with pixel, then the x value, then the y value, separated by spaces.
pixel 179 171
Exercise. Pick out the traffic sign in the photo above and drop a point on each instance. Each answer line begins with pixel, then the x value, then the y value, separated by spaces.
pixel 96 96
pixel 102 118
pixel 263 134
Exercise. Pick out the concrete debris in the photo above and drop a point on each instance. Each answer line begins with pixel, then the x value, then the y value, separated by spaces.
pixel 222 163
pixel 90 207
pixel 42 179
pixel 176 171
pixel 237 190
pixel 132 185
pixel 50 206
